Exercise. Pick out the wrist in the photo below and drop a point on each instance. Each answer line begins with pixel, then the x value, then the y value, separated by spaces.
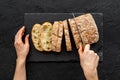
pixel 20 61
pixel 21 58
pixel 91 75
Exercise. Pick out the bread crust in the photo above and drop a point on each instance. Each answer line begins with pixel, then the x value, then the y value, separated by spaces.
pixel 67 36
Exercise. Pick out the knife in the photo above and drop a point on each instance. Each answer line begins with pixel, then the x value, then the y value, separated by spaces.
pixel 82 42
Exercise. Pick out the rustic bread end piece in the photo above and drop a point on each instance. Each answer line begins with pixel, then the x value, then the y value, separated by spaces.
pixel 88 28
pixel 36 33
pixel 46 39
pixel 67 36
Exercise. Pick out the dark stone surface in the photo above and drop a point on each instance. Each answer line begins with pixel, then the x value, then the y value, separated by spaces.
pixel 12 18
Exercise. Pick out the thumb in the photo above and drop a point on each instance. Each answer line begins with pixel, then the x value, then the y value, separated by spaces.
pixel 27 39
pixel 80 51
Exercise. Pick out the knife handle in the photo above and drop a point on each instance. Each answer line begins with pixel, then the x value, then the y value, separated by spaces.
pixel 82 45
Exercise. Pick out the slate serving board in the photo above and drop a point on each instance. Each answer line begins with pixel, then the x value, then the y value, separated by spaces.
pixel 35 56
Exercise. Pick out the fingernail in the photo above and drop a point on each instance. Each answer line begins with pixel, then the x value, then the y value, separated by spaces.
pixel 27 35
pixel 23 27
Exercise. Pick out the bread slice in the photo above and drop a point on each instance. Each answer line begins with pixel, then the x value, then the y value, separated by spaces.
pixel 88 28
pixel 54 35
pixel 75 32
pixel 67 36
pixel 36 33
pixel 60 36
pixel 46 39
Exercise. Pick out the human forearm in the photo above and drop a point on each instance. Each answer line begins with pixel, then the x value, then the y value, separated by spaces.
pixel 22 50
pixel 20 71
pixel 91 75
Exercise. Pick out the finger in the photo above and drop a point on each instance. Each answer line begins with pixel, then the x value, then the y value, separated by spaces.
pixel 20 30
pixel 87 47
pixel 18 38
pixel 20 33
pixel 91 51
pixel 98 58
pixel 27 39
pixel 96 54
pixel 80 50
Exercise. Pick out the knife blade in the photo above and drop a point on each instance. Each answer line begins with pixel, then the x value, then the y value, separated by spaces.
pixel 82 42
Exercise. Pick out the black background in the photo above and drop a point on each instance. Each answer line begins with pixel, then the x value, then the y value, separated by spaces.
pixel 12 18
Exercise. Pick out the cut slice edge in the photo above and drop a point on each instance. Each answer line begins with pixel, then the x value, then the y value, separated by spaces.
pixel 46 39
pixel 67 36
pixel 60 36
pixel 75 32
pixel 55 35
pixel 36 33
